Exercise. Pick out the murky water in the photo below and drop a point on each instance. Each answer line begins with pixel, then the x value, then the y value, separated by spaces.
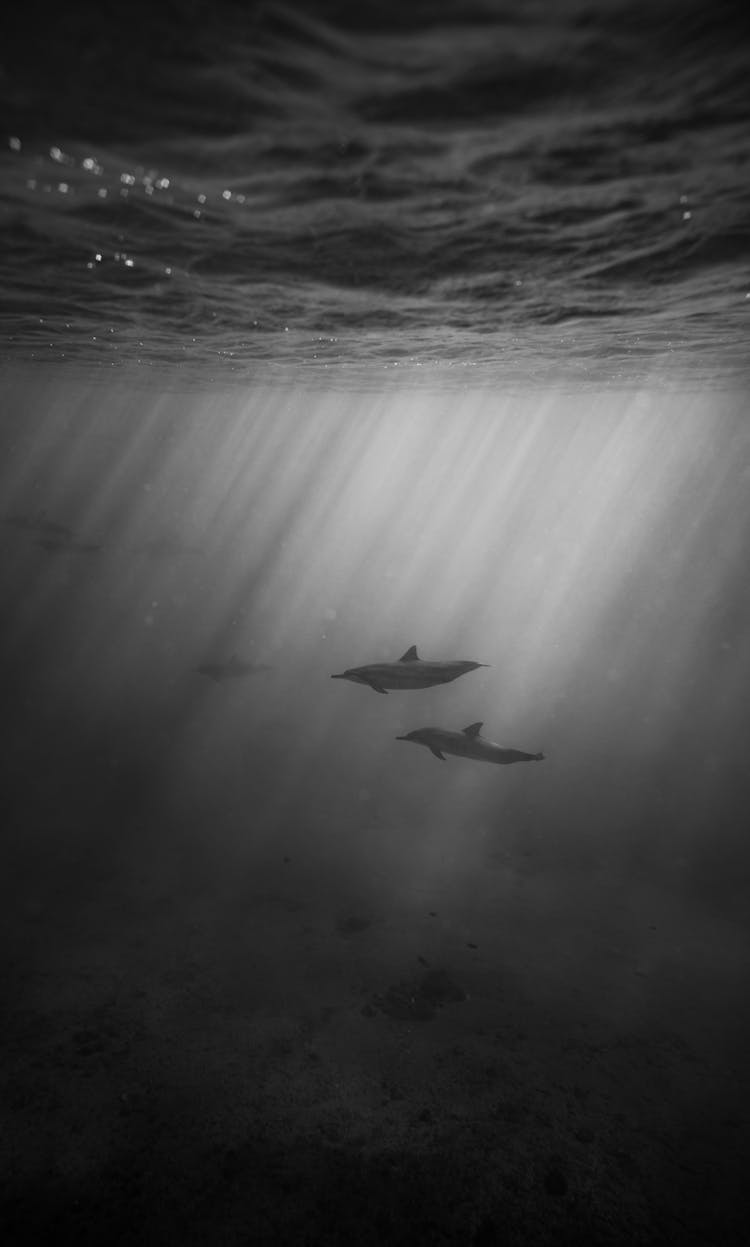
pixel 231 896
pixel 328 333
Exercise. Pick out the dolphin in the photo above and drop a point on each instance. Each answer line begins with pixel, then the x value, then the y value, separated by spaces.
pixel 234 669
pixel 409 672
pixel 66 545
pixel 165 547
pixel 468 744
pixel 37 523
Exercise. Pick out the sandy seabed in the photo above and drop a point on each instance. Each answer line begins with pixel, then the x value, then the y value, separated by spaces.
pixel 312 1083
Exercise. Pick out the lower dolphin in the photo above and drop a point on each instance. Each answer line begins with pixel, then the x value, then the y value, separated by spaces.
pixel 468 744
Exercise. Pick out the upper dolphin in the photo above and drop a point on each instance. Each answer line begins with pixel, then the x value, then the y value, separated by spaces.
pixel 409 672
pixel 468 744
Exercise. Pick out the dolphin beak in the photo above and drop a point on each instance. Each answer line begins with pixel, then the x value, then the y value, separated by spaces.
pixel 338 677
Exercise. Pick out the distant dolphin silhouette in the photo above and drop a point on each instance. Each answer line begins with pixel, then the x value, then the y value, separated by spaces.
pixel 66 545
pixel 233 669
pixel 468 744
pixel 38 524
pixel 409 672
pixel 165 547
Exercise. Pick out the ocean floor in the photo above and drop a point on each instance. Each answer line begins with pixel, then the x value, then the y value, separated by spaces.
pixel 276 1070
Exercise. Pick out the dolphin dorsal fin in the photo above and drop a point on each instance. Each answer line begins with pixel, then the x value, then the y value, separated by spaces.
pixel 473 729
pixel 411 655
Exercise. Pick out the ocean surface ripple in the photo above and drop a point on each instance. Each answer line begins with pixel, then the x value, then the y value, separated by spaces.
pixel 523 189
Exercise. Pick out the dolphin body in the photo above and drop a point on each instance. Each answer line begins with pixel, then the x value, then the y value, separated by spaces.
pixel 409 672
pixel 165 547
pixel 37 523
pixel 468 744
pixel 234 669
pixel 66 545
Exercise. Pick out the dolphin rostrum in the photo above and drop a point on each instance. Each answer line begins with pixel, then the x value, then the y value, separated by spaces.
pixel 234 669
pixel 409 672
pixel 468 744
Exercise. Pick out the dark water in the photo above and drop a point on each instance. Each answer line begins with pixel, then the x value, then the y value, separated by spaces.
pixel 269 971
pixel 328 332
pixel 514 192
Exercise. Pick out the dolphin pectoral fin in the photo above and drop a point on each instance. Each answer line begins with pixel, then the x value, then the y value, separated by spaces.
pixel 377 687
pixel 434 749
pixel 410 655
pixel 473 729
